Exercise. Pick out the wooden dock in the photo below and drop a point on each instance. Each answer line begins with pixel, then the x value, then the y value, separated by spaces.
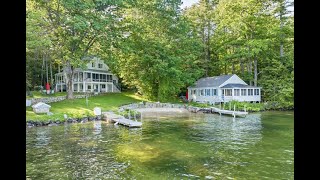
pixel 229 112
pixel 127 122
pixel 118 119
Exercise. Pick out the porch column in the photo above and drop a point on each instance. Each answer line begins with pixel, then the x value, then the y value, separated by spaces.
pixel 78 86
pixel 232 93
pixel 112 86
pixel 83 82
pixel 61 88
pixel 99 87
pixel 91 85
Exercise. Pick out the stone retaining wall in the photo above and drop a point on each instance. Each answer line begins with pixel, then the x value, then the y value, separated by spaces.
pixel 164 105
pixel 152 105
pixel 56 99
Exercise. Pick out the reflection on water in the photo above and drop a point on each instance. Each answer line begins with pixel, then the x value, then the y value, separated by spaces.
pixel 198 146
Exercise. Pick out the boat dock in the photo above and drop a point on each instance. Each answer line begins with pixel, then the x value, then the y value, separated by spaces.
pixel 229 112
pixel 118 119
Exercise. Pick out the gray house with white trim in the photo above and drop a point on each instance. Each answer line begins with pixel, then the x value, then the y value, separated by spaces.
pixel 223 89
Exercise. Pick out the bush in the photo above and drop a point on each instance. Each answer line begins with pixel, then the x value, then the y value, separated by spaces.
pixel 132 113
pixel 200 105
pixel 241 106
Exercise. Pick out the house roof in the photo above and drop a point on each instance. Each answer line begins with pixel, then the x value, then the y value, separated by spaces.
pixel 214 81
pixel 41 105
pixel 238 86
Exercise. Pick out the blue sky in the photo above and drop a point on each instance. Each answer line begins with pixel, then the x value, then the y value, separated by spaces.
pixel 188 3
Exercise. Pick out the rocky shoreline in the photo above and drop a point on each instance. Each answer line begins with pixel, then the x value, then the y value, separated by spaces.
pixel 31 123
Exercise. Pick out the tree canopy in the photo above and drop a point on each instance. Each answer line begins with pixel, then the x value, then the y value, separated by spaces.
pixel 159 49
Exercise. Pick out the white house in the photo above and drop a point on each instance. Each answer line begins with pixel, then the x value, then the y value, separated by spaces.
pixel 223 89
pixel 96 77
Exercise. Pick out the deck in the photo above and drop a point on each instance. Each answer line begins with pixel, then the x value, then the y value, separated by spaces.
pixel 229 112
pixel 118 119
pixel 127 122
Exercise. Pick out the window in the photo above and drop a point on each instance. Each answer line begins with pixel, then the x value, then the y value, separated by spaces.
pixel 228 92
pixel 103 86
pixel 214 92
pixel 201 92
pixel 208 92
pixel 236 92
pixel 109 78
pixel 243 92
pixel 89 86
pixel 194 91
pixel 256 91
pixel 88 75
pixel 92 64
pixel 250 92
pixel 99 65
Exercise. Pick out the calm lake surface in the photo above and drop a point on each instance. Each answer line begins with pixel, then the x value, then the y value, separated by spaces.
pixel 200 146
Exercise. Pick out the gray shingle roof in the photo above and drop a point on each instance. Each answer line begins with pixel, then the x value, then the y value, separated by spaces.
pixel 214 81
pixel 41 105
pixel 238 86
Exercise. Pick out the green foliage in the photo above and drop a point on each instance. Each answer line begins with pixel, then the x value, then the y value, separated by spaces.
pixel 241 106
pixel 200 105
pixel 158 57
pixel 132 113
pixel 159 50
pixel 245 32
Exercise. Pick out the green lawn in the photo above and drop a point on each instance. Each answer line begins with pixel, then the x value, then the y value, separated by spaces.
pixel 106 102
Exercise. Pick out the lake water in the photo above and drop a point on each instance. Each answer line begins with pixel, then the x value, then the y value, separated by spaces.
pixel 200 146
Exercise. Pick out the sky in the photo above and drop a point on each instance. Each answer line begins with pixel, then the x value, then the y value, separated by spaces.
pixel 188 3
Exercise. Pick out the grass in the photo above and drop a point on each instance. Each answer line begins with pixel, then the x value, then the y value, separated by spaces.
pixel 106 102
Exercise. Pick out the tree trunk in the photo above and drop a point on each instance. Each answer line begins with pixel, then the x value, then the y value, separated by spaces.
pixel 225 68
pixel 232 68
pixel 255 71
pixel 47 68
pixel 208 46
pixel 68 72
pixel 205 52
pixel 42 69
pixel 250 71
pixel 281 32
pixel 51 78
pixel 241 67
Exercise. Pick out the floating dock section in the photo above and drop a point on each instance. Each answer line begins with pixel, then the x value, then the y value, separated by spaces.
pixel 118 119
pixel 229 112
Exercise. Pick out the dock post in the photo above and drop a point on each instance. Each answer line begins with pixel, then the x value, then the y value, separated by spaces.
pixel 129 116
